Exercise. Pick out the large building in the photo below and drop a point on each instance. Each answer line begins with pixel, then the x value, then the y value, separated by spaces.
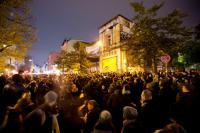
pixel 113 55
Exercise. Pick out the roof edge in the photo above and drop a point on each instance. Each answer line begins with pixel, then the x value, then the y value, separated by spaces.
pixel 119 15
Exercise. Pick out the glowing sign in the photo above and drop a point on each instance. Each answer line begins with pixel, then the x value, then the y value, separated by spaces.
pixel 165 58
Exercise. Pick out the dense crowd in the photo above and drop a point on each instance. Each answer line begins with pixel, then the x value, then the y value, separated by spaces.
pixel 100 103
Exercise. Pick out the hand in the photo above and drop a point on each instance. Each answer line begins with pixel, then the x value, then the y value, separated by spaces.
pixel 10 108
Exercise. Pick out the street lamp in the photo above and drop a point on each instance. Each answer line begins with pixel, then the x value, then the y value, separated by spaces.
pixel 31 61
pixel 99 43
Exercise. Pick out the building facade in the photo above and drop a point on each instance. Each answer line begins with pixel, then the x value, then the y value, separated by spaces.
pixel 90 51
pixel 51 60
pixel 93 57
pixel 113 55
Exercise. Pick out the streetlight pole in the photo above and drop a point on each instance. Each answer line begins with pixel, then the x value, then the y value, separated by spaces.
pixel 31 61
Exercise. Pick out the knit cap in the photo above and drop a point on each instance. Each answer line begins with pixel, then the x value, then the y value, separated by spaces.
pixel 93 102
pixel 105 116
pixel 129 113
pixel 50 98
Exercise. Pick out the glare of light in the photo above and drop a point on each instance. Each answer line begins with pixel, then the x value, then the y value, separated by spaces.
pixel 30 60
pixel 14 72
pixel 46 72
pixel 6 69
pixel 81 95
pixel 99 43
pixel 57 72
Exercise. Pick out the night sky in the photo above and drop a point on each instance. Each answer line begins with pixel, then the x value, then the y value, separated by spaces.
pixel 57 20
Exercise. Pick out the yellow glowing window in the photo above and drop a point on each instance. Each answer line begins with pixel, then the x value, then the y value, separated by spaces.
pixel 110 64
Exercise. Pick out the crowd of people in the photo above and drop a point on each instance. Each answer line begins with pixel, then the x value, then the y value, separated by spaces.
pixel 100 103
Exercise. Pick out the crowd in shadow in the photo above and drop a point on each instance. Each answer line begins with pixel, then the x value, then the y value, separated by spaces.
pixel 100 103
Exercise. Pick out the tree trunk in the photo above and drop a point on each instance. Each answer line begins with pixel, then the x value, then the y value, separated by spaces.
pixel 154 65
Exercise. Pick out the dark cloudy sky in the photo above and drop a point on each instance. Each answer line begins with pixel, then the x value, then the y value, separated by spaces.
pixel 56 20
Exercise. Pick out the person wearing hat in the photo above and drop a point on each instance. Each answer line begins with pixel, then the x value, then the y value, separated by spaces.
pixel 104 124
pixel 130 123
pixel 91 116
pixel 44 117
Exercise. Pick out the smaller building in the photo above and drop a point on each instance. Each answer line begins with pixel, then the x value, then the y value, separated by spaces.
pixel 68 45
pixel 51 60
pixel 91 50
pixel 93 57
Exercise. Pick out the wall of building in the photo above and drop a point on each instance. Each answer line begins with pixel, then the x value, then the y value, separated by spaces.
pixel 51 59
pixel 112 54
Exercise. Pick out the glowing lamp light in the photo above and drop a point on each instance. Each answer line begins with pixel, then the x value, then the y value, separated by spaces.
pixel 99 43
pixel 14 72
